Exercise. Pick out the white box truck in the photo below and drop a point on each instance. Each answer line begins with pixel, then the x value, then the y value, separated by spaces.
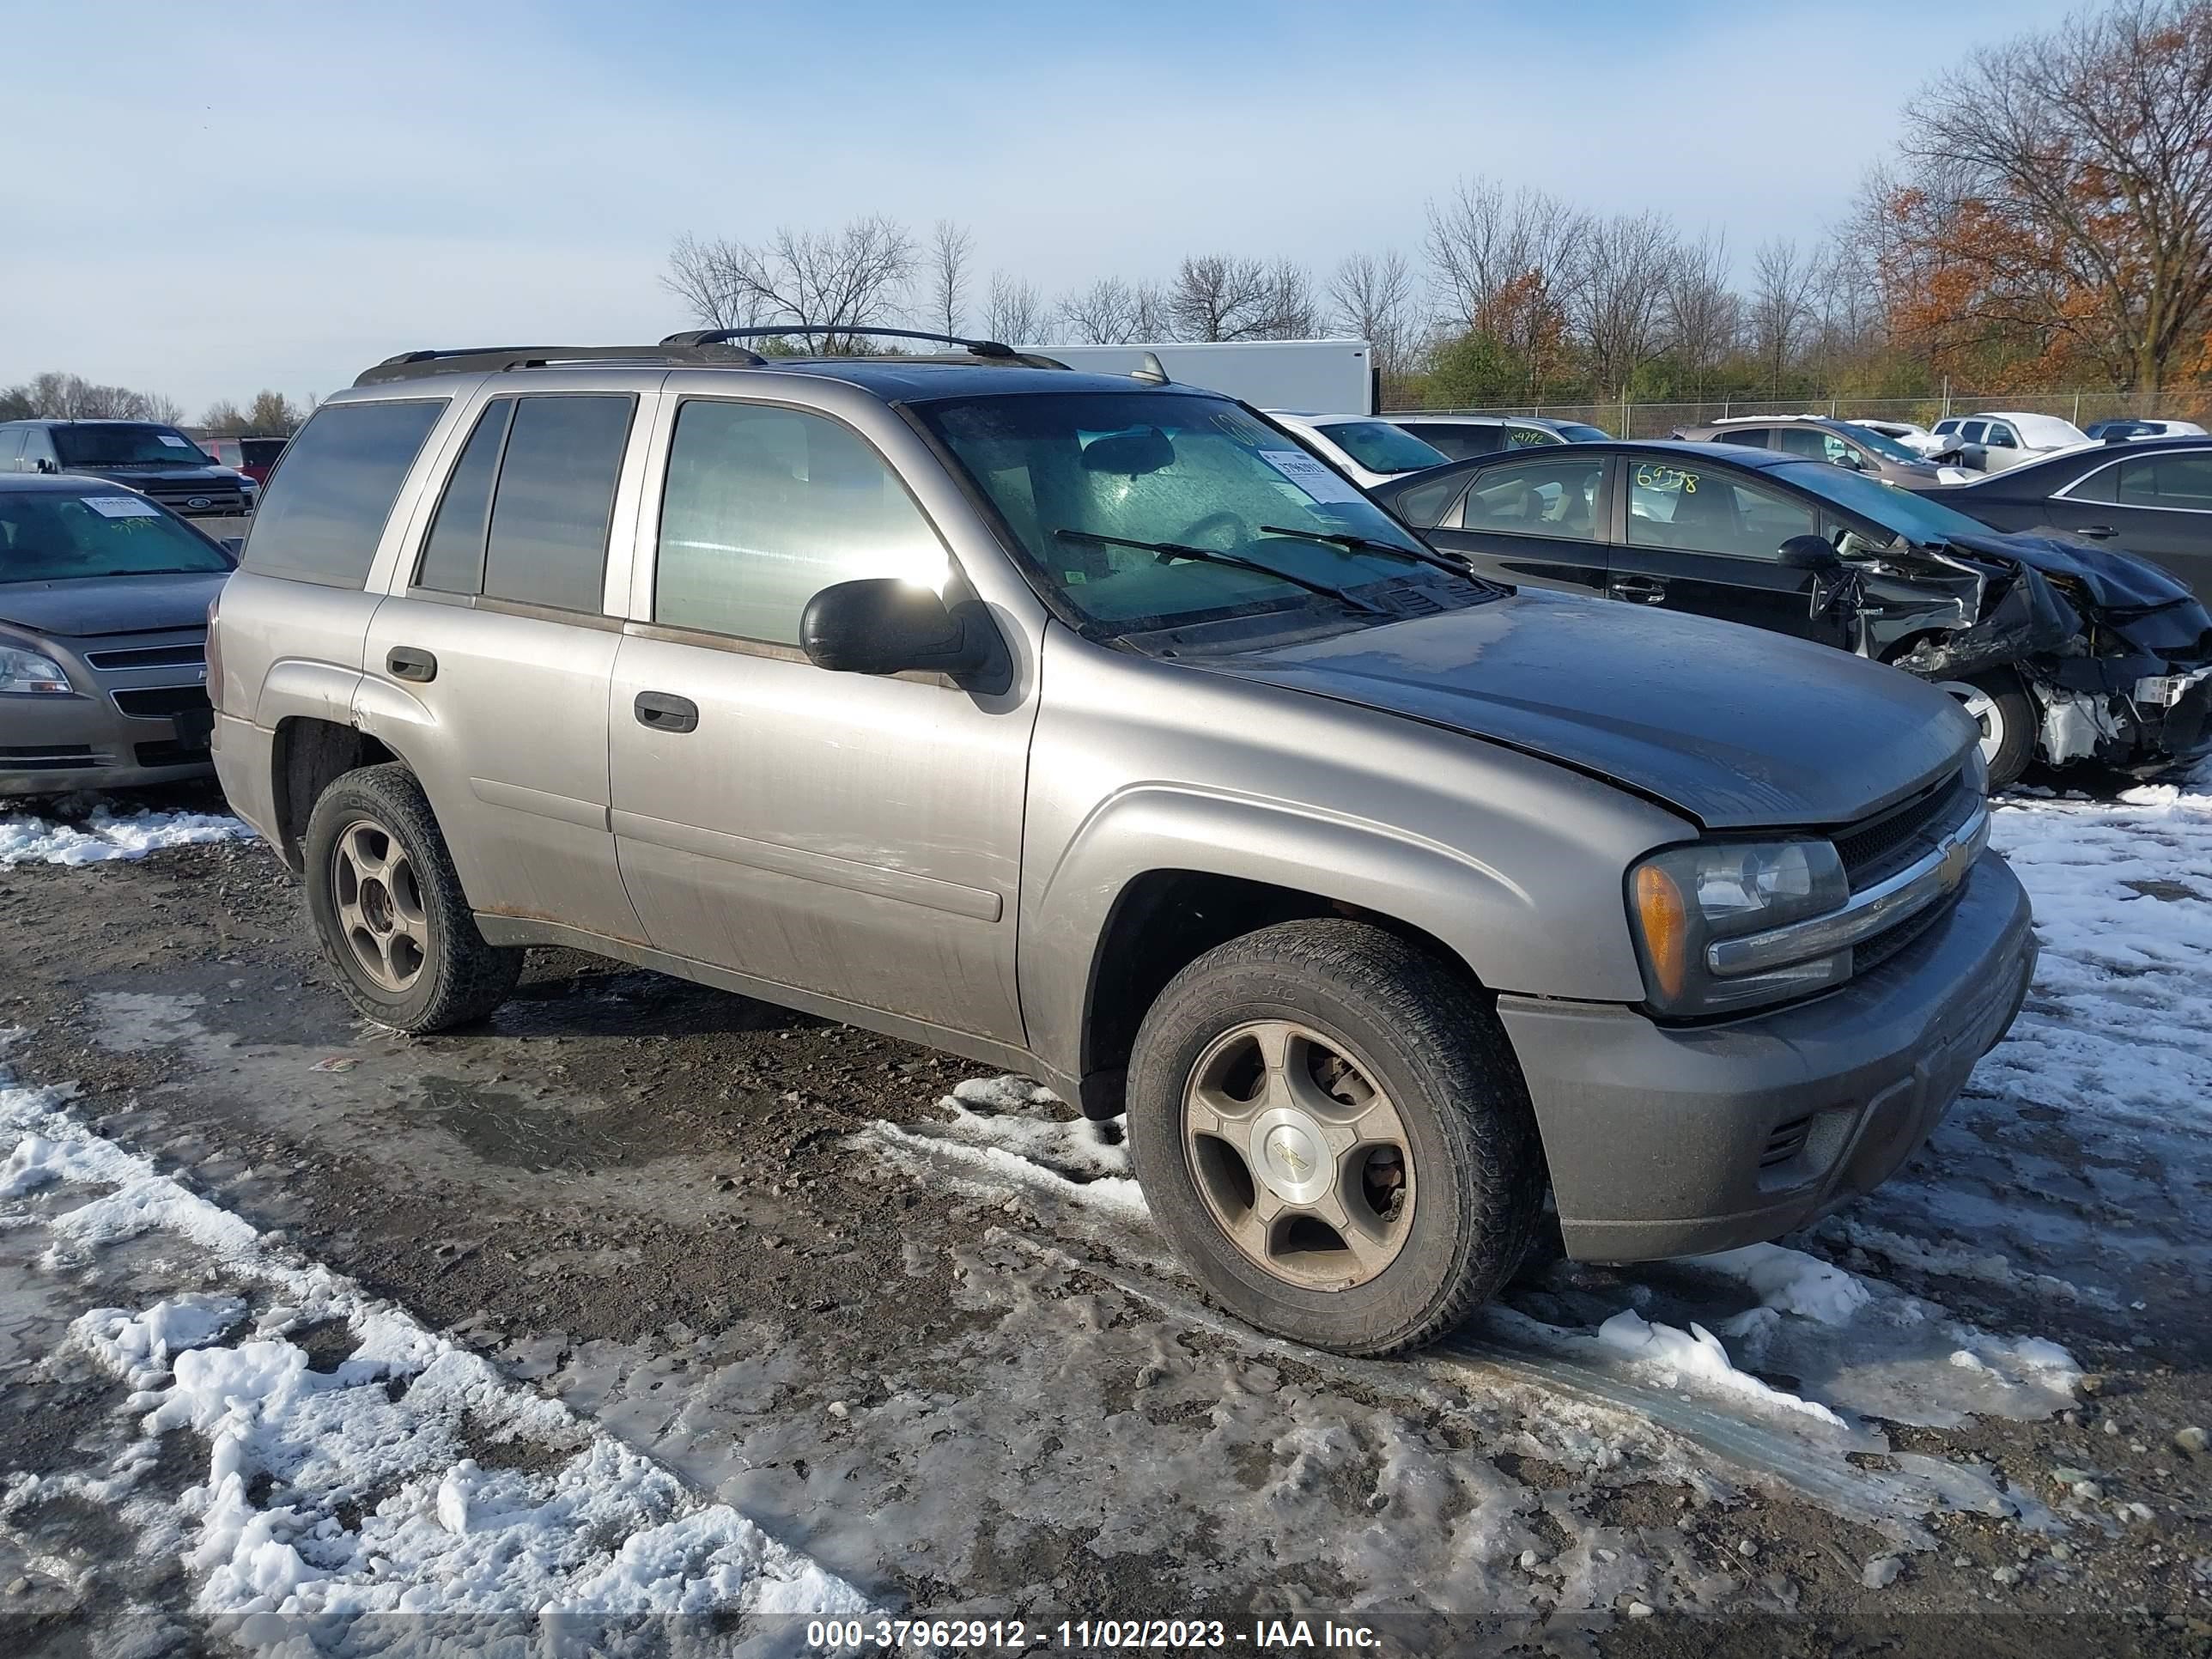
pixel 1321 377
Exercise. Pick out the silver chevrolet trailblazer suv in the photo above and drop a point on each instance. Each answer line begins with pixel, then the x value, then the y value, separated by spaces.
pixel 1094 728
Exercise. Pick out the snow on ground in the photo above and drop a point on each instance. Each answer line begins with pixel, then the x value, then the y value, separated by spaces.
pixel 408 1478
pixel 105 832
pixel 2072 1169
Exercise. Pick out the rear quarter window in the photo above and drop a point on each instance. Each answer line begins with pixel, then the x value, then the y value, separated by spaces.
pixel 324 511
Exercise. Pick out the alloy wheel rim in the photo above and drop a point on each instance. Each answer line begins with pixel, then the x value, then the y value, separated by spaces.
pixel 1982 708
pixel 379 906
pixel 1299 1155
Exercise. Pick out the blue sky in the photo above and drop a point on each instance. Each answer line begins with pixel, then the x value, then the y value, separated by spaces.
pixel 204 200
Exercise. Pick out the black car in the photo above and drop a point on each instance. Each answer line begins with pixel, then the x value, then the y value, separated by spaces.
pixel 157 461
pixel 2061 650
pixel 2150 495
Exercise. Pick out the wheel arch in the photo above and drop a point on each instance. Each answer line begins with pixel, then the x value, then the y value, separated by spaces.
pixel 308 756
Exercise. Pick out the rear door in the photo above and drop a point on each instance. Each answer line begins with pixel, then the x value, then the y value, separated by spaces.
pixel 1537 519
pixel 491 663
pixel 1707 539
pixel 2158 505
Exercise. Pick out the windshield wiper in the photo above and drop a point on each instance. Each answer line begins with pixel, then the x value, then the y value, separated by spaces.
pixel 1165 550
pixel 1368 544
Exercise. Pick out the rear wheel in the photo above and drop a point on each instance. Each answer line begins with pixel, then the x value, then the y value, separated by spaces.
pixel 2000 707
pixel 1331 1128
pixel 389 909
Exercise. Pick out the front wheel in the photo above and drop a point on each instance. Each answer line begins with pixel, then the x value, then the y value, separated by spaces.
pixel 389 908
pixel 1331 1126
pixel 2000 707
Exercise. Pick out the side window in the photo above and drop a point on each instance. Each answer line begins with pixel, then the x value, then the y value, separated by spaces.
pixel 1458 442
pixel 2102 485
pixel 1423 507
pixel 2170 481
pixel 453 552
pixel 1554 496
pixel 1809 441
pixel 324 511
pixel 11 447
pixel 765 507
pixel 38 446
pixel 547 543
pixel 1528 437
pixel 1697 510
pixel 2000 436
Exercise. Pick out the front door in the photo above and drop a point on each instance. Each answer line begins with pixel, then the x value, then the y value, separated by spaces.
pixel 852 836
pixel 1535 521
pixel 1708 540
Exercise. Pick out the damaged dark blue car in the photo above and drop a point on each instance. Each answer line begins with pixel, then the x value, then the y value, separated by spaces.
pixel 2063 650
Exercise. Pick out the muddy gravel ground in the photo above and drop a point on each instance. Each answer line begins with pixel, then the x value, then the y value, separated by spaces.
pixel 681 1213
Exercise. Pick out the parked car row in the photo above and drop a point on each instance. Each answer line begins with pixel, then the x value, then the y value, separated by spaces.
pixel 148 457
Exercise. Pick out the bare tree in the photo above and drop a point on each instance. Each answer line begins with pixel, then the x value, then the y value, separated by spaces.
pixel 1705 318
pixel 1372 297
pixel 1218 296
pixel 2064 182
pixel 1151 316
pixel 1781 306
pixel 1015 314
pixel 224 419
pixel 58 397
pixel 951 250
pixel 828 286
pixel 1105 314
pixel 1480 239
pixel 1617 295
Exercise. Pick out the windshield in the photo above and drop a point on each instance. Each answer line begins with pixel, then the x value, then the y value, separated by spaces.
pixel 48 536
pixel 122 444
pixel 1900 512
pixel 1381 447
pixel 1883 444
pixel 1164 467
pixel 1576 433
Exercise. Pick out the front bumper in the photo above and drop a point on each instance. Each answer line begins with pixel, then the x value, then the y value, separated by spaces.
pixel 55 745
pixel 1669 1140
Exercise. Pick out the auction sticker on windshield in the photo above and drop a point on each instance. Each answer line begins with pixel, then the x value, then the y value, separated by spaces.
pixel 172 441
pixel 122 506
pixel 1310 475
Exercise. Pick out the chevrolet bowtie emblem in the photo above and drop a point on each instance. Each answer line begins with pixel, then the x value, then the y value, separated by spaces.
pixel 1286 1149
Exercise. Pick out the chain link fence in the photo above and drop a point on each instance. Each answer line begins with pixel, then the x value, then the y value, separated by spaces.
pixel 1628 419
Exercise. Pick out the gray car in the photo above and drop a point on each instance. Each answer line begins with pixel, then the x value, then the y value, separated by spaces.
pixel 1841 443
pixel 103 621
pixel 1095 729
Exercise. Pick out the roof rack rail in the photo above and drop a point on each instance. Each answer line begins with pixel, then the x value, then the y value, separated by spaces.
pixel 415 365
pixel 996 349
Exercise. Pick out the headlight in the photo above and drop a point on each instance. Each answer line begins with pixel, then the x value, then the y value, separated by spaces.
pixel 1976 771
pixel 1682 899
pixel 24 673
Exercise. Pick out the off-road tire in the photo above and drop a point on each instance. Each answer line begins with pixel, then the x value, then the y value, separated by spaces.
pixel 1428 1037
pixel 462 978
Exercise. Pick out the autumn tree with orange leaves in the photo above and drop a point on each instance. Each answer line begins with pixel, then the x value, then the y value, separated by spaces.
pixel 2051 215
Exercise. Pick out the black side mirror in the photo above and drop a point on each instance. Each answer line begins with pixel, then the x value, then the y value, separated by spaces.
pixel 42 465
pixel 880 625
pixel 1810 553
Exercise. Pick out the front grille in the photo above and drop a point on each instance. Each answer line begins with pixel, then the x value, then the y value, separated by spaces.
pixel 219 498
pixel 171 752
pixel 1876 849
pixel 1785 1143
pixel 56 758
pixel 162 701
pixel 189 654
pixel 1869 954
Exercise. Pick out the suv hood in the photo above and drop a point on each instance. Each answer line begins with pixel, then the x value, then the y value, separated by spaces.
pixel 201 472
pixel 111 604
pixel 1734 727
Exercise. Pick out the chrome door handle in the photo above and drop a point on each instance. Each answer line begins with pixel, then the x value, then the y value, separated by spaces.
pixel 1648 589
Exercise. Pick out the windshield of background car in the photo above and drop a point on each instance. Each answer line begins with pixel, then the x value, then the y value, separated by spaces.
pixel 1381 447
pixel 122 445
pixel 46 535
pixel 1885 446
pixel 1576 433
pixel 1164 468
pixel 1900 512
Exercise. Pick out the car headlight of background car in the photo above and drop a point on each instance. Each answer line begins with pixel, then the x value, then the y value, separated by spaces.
pixel 1682 899
pixel 24 673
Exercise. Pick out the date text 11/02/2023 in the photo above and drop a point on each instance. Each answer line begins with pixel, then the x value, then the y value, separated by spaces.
pixel 1089 1635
